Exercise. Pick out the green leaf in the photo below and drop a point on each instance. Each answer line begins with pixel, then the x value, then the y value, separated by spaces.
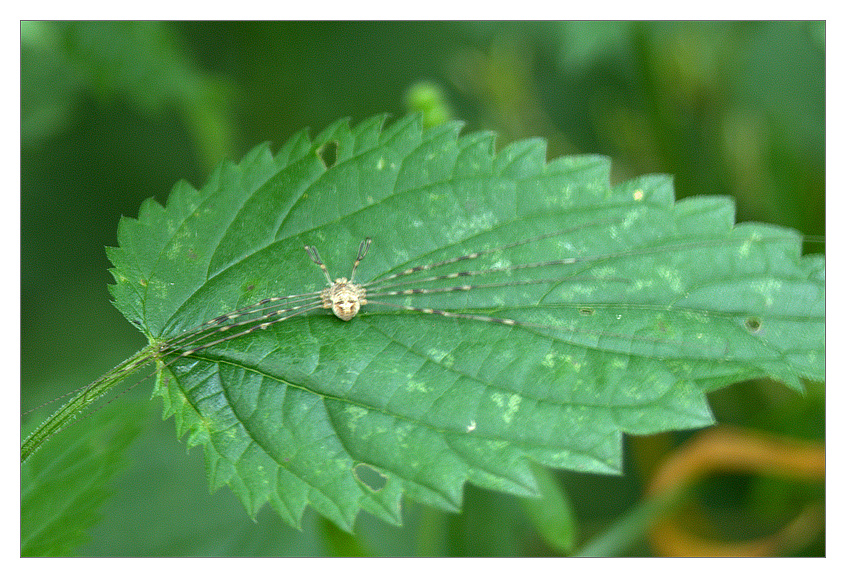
pixel 64 486
pixel 640 307
pixel 551 512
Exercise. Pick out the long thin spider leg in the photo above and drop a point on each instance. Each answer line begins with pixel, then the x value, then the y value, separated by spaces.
pixel 459 288
pixel 287 313
pixel 477 254
pixel 248 309
pixel 600 334
pixel 376 285
pixel 263 325
pixel 122 371
pixel 260 307
pixel 586 306
pixel 480 272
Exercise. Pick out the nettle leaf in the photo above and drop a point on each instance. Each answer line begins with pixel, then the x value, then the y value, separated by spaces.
pixel 617 309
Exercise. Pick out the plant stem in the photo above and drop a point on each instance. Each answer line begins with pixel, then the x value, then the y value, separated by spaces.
pixel 85 398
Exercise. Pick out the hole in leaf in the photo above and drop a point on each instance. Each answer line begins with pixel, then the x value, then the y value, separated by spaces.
pixel 328 153
pixel 370 477
pixel 753 324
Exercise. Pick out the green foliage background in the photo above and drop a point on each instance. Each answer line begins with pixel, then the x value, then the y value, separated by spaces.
pixel 113 113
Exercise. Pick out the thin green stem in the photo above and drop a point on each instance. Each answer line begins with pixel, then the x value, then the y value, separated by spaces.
pixel 632 526
pixel 82 400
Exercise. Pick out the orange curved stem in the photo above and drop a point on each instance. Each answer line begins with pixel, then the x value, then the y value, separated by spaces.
pixel 728 449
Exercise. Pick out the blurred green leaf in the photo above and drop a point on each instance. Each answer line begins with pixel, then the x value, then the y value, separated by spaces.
pixel 584 43
pixel 641 306
pixel 551 512
pixel 64 487
pixel 142 62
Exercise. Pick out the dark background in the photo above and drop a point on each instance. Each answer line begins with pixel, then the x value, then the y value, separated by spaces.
pixel 113 113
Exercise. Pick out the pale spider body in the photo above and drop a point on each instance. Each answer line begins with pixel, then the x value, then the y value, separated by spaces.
pixel 344 298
